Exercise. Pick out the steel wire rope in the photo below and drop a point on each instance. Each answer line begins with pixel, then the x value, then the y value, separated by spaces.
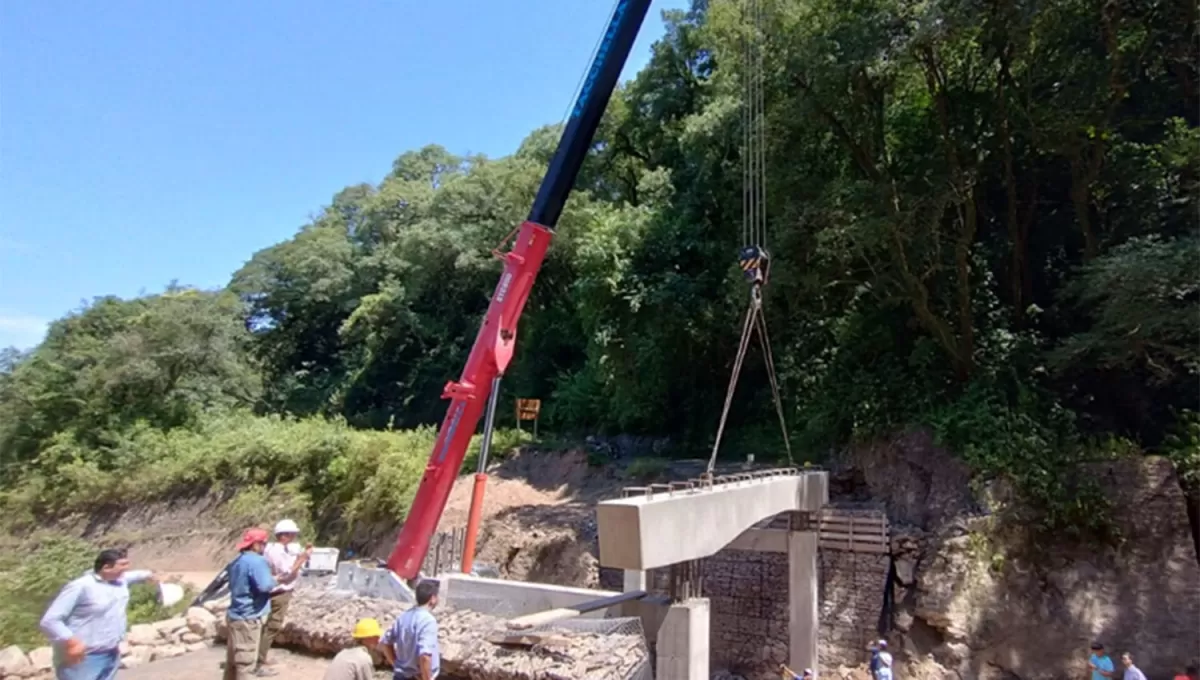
pixel 754 220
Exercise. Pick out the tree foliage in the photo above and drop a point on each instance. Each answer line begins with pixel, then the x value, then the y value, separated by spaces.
pixel 982 217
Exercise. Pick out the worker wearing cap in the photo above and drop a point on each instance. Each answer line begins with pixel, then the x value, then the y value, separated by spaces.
pixel 881 661
pixel 1100 662
pixel 250 586
pixel 356 663
pixel 786 673
pixel 286 561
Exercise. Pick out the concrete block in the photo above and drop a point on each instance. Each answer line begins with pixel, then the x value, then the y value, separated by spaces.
pixel 373 582
pixel 682 642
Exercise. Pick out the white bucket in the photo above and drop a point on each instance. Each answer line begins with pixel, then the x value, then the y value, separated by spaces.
pixel 169 594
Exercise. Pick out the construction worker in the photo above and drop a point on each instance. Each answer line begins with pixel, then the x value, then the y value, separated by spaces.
pixel 356 663
pixel 786 673
pixel 410 646
pixel 881 661
pixel 250 586
pixel 86 622
pixel 286 561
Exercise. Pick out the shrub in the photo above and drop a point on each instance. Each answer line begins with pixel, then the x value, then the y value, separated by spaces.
pixel 313 469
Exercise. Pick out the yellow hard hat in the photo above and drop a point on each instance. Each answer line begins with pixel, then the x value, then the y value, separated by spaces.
pixel 367 628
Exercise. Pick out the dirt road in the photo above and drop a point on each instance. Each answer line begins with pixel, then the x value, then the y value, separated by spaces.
pixel 206 665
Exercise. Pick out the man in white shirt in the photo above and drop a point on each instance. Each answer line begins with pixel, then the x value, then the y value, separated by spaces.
pixel 86 622
pixel 286 559
pixel 1132 672
pixel 881 661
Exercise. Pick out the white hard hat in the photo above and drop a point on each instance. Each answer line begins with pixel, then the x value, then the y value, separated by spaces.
pixel 286 526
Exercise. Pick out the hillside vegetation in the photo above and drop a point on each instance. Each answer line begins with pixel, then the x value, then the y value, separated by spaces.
pixel 982 217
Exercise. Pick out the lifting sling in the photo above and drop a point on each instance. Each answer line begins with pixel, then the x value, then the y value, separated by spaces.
pixel 753 258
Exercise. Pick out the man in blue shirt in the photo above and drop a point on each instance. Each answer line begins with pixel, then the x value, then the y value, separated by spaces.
pixel 411 644
pixel 250 586
pixel 87 621
pixel 1101 665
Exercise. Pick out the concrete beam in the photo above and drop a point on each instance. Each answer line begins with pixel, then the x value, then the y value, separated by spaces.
pixel 761 540
pixel 634 580
pixel 515 598
pixel 650 531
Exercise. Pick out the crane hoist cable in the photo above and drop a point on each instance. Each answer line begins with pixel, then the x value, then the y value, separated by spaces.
pixel 753 258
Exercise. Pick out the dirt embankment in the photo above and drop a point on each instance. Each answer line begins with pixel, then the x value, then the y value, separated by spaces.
pixel 538 523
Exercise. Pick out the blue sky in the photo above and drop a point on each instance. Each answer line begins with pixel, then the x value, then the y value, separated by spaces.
pixel 143 141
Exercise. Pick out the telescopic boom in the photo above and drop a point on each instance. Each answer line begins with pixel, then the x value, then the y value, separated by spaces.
pixel 493 348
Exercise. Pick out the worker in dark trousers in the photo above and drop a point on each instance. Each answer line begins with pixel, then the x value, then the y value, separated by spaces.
pixel 410 646
pixel 250 586
pixel 286 561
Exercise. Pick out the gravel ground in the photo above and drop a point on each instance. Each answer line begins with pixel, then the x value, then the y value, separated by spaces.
pixel 206 665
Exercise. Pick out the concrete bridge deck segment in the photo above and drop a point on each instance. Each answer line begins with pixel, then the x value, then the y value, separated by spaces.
pixel 662 525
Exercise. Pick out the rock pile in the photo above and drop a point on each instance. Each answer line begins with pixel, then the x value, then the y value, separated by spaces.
pixel 320 621
pixel 145 643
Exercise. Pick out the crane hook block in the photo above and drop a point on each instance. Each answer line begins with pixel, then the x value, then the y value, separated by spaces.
pixel 754 262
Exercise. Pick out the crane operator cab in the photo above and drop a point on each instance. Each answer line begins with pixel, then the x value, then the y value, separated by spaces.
pixel 754 262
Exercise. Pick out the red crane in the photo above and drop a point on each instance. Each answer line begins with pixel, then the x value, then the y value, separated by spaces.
pixel 493 348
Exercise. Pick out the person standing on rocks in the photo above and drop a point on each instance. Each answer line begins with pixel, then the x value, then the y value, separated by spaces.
pixel 411 644
pixel 881 661
pixel 286 561
pixel 356 663
pixel 786 673
pixel 250 586
pixel 1100 663
pixel 86 622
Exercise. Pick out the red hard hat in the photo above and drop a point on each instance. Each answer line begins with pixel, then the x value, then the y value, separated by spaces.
pixel 252 536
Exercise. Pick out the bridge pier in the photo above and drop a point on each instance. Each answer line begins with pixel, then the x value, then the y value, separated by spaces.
pixel 682 644
pixel 803 611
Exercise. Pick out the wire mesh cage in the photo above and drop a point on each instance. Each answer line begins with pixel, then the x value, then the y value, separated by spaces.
pixel 621 638
pixel 619 641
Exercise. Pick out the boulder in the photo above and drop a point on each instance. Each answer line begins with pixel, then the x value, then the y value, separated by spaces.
pixel 144 634
pixel 131 661
pixel 217 607
pixel 14 662
pixel 197 646
pixel 169 651
pixel 139 656
pixel 202 622
pixel 168 626
pixel 42 658
pixel 190 638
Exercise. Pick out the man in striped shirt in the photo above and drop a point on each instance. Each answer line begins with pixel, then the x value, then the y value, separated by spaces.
pixel 87 621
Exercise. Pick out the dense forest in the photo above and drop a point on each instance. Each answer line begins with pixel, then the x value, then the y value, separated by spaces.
pixel 982 216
